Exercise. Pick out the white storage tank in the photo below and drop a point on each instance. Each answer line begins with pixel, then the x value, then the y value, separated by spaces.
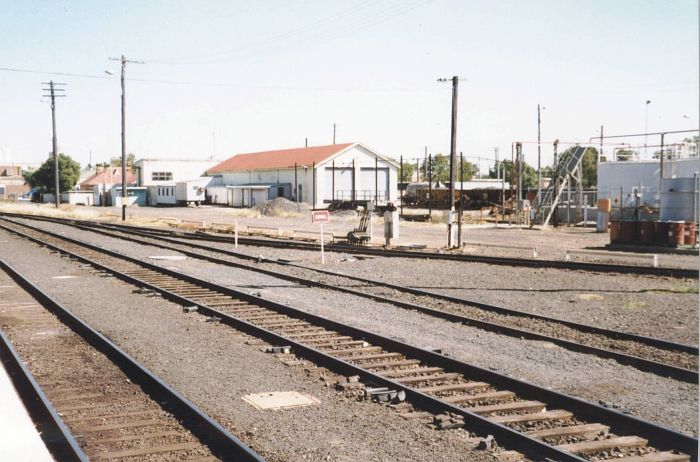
pixel 679 199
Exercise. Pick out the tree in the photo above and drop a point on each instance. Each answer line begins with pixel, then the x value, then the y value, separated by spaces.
pixel 117 161
pixel 529 174
pixel 406 172
pixel 589 169
pixel 44 177
pixel 625 154
pixel 441 169
pixel 440 166
pixel 469 171
pixel 589 173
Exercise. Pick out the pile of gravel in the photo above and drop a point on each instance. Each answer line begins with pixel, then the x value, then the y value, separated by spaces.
pixel 281 206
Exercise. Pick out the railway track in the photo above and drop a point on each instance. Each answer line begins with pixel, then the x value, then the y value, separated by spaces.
pixel 507 261
pixel 90 400
pixel 535 421
pixel 657 356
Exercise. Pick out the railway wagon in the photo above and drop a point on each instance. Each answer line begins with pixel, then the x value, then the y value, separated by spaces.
pixel 472 199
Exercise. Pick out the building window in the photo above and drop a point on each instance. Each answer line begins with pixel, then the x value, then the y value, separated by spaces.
pixel 161 176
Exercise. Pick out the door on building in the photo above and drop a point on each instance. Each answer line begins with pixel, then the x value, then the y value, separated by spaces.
pixel 237 197
pixel 342 183
pixel 259 195
pixel 367 181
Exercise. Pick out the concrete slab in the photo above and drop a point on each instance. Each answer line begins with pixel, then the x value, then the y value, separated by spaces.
pixel 279 400
pixel 64 277
pixel 19 439
pixel 168 257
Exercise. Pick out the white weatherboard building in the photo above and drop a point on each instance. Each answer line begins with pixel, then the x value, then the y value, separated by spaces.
pixel 155 172
pixel 318 175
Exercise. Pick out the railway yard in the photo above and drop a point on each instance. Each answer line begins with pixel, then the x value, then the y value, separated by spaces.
pixel 153 343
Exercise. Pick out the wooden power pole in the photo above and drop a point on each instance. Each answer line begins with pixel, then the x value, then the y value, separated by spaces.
pixel 53 94
pixel 123 61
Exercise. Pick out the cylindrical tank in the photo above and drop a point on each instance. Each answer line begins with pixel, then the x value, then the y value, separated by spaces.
pixel 614 232
pixel 689 233
pixel 645 232
pixel 676 230
pixel 660 232
pixel 628 232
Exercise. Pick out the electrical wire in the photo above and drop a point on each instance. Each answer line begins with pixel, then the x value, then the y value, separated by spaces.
pixel 333 31
pixel 214 84
pixel 270 40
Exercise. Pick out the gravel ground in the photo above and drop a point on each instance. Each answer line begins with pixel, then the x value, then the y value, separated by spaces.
pixel 684 360
pixel 648 305
pixel 550 242
pixel 664 401
pixel 214 367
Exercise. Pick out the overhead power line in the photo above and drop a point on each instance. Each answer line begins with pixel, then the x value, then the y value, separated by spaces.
pixel 322 30
pixel 212 84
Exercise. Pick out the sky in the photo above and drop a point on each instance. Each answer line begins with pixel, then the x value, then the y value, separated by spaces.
pixel 225 77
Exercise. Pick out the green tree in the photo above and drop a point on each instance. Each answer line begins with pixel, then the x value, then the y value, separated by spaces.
pixel 440 164
pixel 529 174
pixel 589 169
pixel 117 160
pixel 625 154
pixel 44 177
pixel 469 171
pixel 406 172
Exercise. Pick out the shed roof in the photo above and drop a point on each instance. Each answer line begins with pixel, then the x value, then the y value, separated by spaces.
pixel 283 158
pixel 111 175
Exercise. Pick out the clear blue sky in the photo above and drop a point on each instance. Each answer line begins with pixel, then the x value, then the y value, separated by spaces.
pixel 291 69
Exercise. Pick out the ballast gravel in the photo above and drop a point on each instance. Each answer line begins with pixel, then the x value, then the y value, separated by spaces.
pixel 214 367
pixel 664 401
pixel 655 306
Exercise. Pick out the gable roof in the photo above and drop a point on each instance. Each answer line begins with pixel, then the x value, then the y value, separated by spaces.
pixel 112 175
pixel 283 158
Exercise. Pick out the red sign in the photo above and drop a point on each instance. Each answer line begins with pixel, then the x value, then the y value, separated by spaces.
pixel 319 216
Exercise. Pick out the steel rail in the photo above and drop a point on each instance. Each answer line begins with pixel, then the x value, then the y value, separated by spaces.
pixel 507 261
pixel 492 260
pixel 222 443
pixel 652 366
pixel 54 433
pixel 662 438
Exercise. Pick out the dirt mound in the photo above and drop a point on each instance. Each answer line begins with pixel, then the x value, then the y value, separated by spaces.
pixel 281 207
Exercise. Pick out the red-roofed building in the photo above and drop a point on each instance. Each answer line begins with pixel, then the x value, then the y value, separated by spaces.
pixel 317 175
pixel 102 182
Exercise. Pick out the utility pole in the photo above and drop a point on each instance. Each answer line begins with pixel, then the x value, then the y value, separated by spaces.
pixel 453 158
pixel 539 156
pixel 519 157
pixel 461 200
pixel 333 133
pixel 646 124
pixel 53 94
pixel 123 61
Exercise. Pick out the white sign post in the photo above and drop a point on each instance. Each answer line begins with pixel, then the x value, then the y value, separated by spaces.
pixel 235 233
pixel 321 217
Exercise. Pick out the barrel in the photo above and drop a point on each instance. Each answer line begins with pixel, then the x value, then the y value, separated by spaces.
pixel 660 233
pixel 645 232
pixel 676 230
pixel 689 233
pixel 614 232
pixel 628 232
